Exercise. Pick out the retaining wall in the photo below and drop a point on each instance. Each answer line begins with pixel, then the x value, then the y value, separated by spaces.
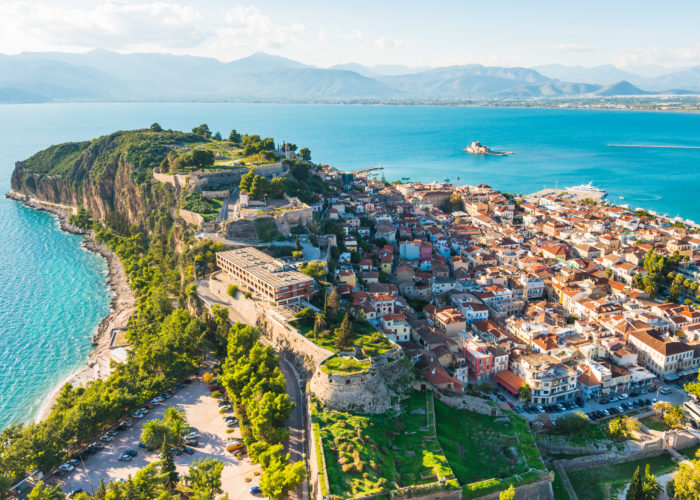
pixel 470 403
pixel 191 217
pixel 541 490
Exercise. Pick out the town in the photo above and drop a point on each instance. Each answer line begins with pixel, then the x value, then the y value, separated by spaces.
pixel 544 305
pixel 351 336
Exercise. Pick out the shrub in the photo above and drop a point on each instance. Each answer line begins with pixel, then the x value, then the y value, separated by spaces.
pixel 247 295
pixel 232 290
pixel 207 378
pixel 216 394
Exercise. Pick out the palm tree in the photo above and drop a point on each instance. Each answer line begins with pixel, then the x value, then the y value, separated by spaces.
pixel 651 488
pixel 675 416
pixel 661 407
pixel 524 392
pixel 173 414
pixel 154 434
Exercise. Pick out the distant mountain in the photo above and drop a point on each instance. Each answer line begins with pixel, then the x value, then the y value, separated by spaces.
pixel 601 75
pixel 101 75
pixel 621 88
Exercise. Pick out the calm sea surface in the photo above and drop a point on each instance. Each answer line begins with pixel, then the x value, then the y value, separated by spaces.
pixel 53 294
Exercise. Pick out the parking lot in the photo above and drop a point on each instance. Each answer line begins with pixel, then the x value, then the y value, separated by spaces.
pixel 202 414
pixel 596 408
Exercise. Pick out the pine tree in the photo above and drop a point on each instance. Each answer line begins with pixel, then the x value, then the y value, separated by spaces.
pixel 247 180
pixel 333 305
pixel 101 492
pixel 635 490
pixel 346 335
pixel 167 467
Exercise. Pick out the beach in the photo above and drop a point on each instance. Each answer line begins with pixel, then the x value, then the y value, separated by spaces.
pixel 121 307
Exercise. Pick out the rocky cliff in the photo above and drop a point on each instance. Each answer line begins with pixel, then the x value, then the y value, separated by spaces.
pixel 108 175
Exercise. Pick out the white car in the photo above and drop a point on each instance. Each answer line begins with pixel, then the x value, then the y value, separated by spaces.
pixel 107 438
pixel 66 467
pixel 665 390
pixel 624 395
pixel 137 415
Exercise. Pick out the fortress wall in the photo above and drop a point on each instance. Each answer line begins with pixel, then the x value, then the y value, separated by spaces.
pixel 357 392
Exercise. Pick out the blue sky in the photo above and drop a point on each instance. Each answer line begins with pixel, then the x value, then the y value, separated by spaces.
pixel 511 33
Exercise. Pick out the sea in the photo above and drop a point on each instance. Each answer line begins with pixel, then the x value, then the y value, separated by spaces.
pixel 53 293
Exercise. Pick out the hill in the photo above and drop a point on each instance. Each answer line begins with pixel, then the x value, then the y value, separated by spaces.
pixel 621 88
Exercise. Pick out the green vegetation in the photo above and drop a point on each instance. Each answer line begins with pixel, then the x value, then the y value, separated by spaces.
pixel 685 481
pixel 365 335
pixel 559 489
pixel 302 183
pixel 315 269
pixel 266 229
pixel 345 366
pixel 207 207
pixel 165 432
pixel 260 188
pixel 607 481
pixel 654 423
pixel 254 382
pixel 55 160
pixel 659 272
pixel 485 452
pixel 367 454
pixel 622 427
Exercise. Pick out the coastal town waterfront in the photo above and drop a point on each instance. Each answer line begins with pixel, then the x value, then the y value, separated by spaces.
pixel 425 301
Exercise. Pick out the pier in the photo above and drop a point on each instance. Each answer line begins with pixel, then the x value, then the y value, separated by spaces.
pixel 366 170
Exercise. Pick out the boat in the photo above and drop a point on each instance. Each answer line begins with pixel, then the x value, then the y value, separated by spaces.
pixel 586 189
pixel 405 178
pixel 447 179
pixel 476 148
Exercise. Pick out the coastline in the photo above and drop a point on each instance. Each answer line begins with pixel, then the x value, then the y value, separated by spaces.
pixel 122 304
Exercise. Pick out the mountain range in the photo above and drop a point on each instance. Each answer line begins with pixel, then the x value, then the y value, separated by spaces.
pixel 101 75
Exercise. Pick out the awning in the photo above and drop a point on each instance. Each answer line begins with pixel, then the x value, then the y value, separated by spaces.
pixel 509 380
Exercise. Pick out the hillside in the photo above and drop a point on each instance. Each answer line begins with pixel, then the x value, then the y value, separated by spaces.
pixel 102 75
pixel 108 175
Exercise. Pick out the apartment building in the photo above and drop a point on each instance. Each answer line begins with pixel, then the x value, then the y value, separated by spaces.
pixel 550 380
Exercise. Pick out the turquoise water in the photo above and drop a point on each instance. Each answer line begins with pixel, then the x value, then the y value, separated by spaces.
pixel 52 293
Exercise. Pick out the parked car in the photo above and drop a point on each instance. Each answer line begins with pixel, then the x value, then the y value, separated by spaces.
pixel 234 446
pixel 693 424
pixel 623 396
pixel 125 458
pixel 66 467
pixel 98 446
pixel 179 385
pixel 113 432
pixel 177 451
pixel 137 415
pixel 131 453
pixel 106 438
pixel 187 450
pixel 665 390
pixel 500 396
pixel 187 381
pixel 539 409
pixel 255 490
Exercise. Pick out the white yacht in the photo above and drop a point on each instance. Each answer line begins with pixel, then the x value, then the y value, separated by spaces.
pixel 586 188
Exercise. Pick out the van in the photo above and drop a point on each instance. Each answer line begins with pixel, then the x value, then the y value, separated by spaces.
pixel 233 447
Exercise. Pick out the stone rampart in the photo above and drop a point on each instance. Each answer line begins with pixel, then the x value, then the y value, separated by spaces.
pixel 364 392
pixel 177 180
pixel 470 403
pixel 191 217
pixel 301 351
pixel 541 490
pixel 217 194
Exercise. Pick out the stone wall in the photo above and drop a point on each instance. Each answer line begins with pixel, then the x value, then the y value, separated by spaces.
pixel 470 403
pixel 177 180
pixel 302 352
pixel 191 217
pixel 217 194
pixel 357 392
pixel 541 490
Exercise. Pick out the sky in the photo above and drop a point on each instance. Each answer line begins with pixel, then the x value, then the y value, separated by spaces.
pixel 371 32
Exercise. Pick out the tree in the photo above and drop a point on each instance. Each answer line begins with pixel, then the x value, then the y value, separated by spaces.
pixel 247 180
pixel 319 323
pixel 634 492
pixel 205 477
pixel 345 336
pixel 202 158
pixel 651 489
pixel 167 467
pixel 155 127
pixel 524 392
pixel 258 188
pixel 234 136
pixel 202 130
pixel 267 415
pixel 217 136
pixel 508 494
pixel 686 480
pixel 154 434
pixel 305 154
pixel 621 428
pixel 675 416
pixel 315 269
pixel 42 491
pixel 280 477
pixel 332 305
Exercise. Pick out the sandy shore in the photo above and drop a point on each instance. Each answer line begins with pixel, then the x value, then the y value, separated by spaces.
pixel 122 305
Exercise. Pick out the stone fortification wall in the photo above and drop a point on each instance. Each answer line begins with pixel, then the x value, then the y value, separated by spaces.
pixel 191 217
pixel 217 194
pixel 177 180
pixel 470 403
pixel 357 392
pixel 541 490
pixel 302 352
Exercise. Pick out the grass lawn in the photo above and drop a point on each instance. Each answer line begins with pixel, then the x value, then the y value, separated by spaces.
pixel 266 229
pixel 366 336
pixel 558 488
pixel 344 365
pixel 655 423
pixel 373 453
pixel 608 481
pixel 484 452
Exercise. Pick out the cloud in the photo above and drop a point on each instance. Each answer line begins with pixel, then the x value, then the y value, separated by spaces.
pixel 113 24
pixel 322 36
pixel 573 47
pixel 248 25
pixel 386 43
pixel 355 35
pixel 688 55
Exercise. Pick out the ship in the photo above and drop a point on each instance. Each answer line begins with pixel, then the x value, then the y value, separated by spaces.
pixel 586 189
pixel 476 148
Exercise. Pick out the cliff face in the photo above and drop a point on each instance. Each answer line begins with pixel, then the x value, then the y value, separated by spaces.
pixel 109 174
